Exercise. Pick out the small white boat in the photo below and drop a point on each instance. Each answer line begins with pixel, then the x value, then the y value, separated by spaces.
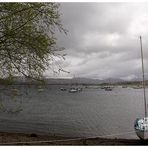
pixel 137 87
pixel 73 90
pixel 108 89
pixel 40 89
pixel 79 89
pixel 124 86
pixel 103 87
pixel 141 128
pixel 63 89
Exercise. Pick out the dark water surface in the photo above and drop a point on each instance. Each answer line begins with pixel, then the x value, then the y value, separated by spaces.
pixel 89 113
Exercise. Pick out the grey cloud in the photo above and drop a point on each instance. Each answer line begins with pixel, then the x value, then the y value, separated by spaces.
pixel 102 39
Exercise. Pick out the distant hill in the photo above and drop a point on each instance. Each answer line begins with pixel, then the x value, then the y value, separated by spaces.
pixel 78 80
pixel 113 80
pixel 83 81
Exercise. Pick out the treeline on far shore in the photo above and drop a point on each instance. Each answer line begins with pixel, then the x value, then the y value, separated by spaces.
pixel 133 83
pixel 26 81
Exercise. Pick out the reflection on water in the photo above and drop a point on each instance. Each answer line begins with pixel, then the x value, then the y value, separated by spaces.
pixel 89 113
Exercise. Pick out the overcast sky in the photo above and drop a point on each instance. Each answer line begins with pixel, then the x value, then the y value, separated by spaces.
pixel 103 39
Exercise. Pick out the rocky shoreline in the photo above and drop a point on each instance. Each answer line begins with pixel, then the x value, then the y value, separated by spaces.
pixel 33 139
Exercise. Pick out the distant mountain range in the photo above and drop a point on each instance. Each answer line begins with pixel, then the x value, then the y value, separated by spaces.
pixel 70 81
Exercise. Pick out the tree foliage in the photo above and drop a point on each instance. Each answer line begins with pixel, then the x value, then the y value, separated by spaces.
pixel 27 37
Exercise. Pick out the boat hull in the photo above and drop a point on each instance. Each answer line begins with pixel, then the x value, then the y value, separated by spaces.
pixel 143 135
pixel 141 128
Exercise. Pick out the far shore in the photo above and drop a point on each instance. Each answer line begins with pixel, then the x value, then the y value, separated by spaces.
pixel 33 139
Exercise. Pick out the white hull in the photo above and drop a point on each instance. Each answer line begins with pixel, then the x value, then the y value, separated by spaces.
pixel 73 90
pixel 141 128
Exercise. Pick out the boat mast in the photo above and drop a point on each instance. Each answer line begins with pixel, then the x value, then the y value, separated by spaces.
pixel 143 82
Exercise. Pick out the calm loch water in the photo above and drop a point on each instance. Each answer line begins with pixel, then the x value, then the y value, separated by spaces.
pixel 89 113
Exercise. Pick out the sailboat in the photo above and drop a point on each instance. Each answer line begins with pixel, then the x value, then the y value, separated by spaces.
pixel 141 124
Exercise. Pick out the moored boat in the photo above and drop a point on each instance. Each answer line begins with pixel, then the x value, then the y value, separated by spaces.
pixel 63 89
pixel 108 89
pixel 141 125
pixel 73 90
pixel 141 128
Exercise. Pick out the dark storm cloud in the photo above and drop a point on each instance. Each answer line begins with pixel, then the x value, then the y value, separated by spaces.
pixel 102 39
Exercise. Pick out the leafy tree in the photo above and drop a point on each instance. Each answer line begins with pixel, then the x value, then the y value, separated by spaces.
pixel 27 38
